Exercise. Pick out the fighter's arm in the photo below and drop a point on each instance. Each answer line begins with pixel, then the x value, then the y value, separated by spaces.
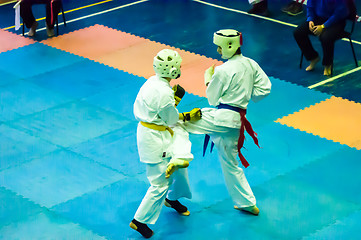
pixel 169 114
pixel 262 84
pixel 215 88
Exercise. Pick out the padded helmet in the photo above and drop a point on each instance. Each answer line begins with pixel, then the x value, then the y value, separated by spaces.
pixel 167 64
pixel 229 40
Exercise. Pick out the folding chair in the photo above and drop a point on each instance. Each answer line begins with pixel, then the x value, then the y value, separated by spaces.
pixel 346 33
pixel 56 20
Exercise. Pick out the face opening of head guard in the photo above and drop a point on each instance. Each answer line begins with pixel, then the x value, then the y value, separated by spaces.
pixel 229 40
pixel 167 64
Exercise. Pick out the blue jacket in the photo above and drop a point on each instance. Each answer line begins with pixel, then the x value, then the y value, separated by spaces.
pixel 332 10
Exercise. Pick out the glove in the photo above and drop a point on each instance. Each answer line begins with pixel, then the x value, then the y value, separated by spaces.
pixel 194 115
pixel 208 75
pixel 178 93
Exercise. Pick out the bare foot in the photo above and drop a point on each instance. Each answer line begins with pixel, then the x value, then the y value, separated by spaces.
pixel 327 71
pixel 312 64
pixel 174 165
pixel 252 209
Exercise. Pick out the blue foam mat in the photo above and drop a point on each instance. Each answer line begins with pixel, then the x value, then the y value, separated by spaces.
pixel 54 179
pixel 18 147
pixel 285 202
pixel 22 98
pixel 82 79
pixel 47 226
pixel 113 100
pixel 71 123
pixel 283 149
pixel 346 228
pixel 107 211
pixel 340 177
pixel 35 59
pixel 111 151
pixel 14 208
pixel 7 78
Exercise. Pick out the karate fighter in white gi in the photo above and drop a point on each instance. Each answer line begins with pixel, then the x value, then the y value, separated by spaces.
pixel 230 87
pixel 155 108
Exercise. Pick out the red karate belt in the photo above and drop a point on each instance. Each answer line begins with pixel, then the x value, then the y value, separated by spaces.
pixel 245 125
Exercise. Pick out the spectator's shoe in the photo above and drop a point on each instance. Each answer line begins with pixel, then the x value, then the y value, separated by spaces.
pixel 176 205
pixel 50 31
pixel 141 228
pixel 252 209
pixel 288 7
pixel 296 9
pixel 259 9
pixel 33 28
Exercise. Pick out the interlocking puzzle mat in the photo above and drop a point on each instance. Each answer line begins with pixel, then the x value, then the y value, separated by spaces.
pixel 69 162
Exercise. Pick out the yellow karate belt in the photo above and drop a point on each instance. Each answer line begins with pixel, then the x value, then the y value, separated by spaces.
pixel 158 127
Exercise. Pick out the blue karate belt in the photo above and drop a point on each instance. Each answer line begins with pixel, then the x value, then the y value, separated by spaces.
pixel 207 137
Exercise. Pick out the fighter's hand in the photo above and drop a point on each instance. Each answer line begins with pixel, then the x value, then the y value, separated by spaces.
pixel 208 75
pixel 194 115
pixel 178 93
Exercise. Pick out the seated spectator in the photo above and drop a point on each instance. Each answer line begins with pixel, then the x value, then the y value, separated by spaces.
pixel 325 19
pixel 52 10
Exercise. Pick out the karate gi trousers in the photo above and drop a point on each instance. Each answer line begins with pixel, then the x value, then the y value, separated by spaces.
pixel 225 140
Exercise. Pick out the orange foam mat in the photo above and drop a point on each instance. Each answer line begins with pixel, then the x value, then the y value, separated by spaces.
pixel 335 119
pixel 138 60
pixel 131 53
pixel 10 41
pixel 93 41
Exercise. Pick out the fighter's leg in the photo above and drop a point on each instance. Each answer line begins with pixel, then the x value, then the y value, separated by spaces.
pixel 181 145
pixel 151 205
pixel 179 188
pixel 235 179
pixel 181 150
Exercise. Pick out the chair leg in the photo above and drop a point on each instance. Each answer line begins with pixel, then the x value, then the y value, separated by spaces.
pixel 332 70
pixel 353 52
pixel 62 11
pixel 57 26
pixel 301 60
pixel 57 19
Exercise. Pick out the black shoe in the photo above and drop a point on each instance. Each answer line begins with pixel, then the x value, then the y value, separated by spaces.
pixel 296 9
pixel 288 7
pixel 260 9
pixel 176 205
pixel 141 228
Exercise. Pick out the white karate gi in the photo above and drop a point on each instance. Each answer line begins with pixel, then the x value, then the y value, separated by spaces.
pixel 234 83
pixel 155 104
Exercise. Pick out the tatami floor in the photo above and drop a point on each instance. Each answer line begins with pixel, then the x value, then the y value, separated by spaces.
pixel 69 166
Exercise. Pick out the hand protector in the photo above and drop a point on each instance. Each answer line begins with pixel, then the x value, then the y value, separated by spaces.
pixel 178 93
pixel 194 115
pixel 208 75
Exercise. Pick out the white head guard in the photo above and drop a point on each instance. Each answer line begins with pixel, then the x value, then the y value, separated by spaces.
pixel 167 64
pixel 229 40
